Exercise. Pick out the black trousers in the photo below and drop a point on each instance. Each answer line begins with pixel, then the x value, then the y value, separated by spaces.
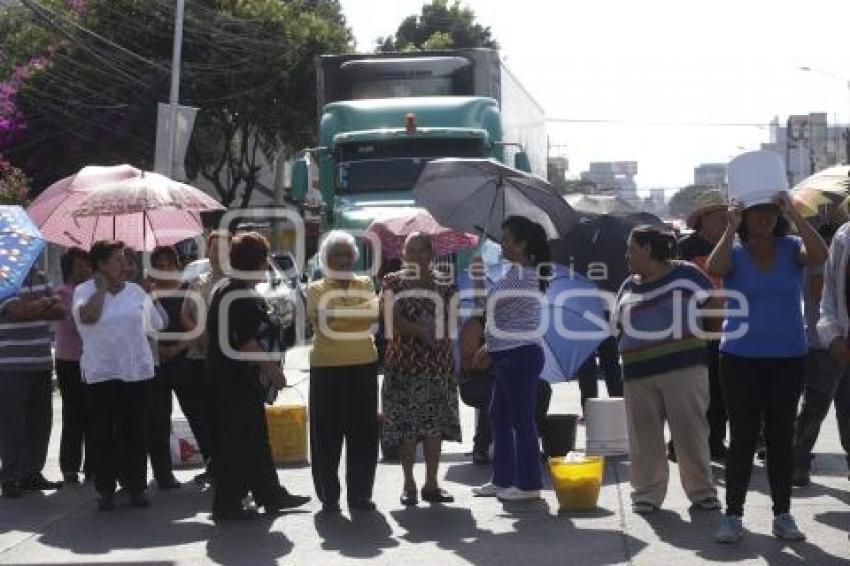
pixel 120 425
pixel 26 417
pixel 609 361
pixel 344 407
pixel 756 390
pixel 827 382
pixel 76 420
pixel 174 376
pixel 241 451
pixel 716 403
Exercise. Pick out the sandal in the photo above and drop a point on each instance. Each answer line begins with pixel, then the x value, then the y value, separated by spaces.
pixel 409 498
pixel 437 495
pixel 644 507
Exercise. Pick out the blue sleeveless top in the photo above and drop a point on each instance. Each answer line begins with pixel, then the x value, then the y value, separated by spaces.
pixel 775 326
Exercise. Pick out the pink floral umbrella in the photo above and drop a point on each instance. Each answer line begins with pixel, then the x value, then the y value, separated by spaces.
pixel 392 232
pixel 123 203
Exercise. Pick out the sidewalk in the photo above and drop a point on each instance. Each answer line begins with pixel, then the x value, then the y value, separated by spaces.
pixel 65 528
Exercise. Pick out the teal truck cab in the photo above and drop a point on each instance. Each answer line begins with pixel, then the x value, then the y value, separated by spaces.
pixel 384 116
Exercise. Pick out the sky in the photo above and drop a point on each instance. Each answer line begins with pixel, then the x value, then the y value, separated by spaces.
pixel 659 70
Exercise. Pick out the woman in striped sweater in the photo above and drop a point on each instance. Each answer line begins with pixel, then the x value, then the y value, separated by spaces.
pixel 665 370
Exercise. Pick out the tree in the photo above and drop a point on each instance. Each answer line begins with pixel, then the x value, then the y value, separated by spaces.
pixel 14 185
pixel 439 26
pixel 248 65
pixel 684 201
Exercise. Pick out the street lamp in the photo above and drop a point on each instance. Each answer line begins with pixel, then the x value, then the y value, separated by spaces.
pixel 833 76
pixel 846 82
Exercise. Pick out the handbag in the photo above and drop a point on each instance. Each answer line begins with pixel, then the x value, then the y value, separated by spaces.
pixel 269 338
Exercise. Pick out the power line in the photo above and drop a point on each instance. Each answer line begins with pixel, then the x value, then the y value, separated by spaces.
pixel 620 122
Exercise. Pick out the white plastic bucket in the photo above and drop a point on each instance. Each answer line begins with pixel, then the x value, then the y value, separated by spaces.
pixel 605 427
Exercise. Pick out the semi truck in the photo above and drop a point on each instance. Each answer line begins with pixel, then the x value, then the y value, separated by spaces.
pixel 384 116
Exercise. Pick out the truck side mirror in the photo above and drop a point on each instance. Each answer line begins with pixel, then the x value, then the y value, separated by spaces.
pixel 522 162
pixel 300 179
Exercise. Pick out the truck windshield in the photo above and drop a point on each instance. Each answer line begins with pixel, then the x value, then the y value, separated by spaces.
pixel 395 165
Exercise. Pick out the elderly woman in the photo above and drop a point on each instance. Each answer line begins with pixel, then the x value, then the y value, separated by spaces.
pixel 113 316
pixel 342 308
pixel 762 365
pixel 239 367
pixel 666 374
pixel 420 402
pixel 76 411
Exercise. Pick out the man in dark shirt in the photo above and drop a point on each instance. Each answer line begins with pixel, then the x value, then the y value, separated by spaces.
pixel 708 220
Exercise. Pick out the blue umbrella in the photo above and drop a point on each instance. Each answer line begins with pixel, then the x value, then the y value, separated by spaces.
pixel 20 245
pixel 576 321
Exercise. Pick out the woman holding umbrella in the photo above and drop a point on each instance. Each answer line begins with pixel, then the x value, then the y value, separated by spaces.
pixel 513 337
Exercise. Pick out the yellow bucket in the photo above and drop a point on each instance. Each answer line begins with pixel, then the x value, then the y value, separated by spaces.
pixel 577 483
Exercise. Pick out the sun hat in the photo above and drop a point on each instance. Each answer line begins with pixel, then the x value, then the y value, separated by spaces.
pixel 756 177
pixel 708 201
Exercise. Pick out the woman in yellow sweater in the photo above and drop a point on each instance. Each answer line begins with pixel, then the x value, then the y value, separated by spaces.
pixel 342 308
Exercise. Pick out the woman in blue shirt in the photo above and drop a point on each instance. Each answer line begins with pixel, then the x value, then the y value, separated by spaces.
pixel 763 349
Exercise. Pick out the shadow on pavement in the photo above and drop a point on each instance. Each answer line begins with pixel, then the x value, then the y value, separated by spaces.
pixel 836 519
pixel 248 542
pixel 162 525
pixel 364 535
pixel 468 474
pixel 697 536
pixel 535 537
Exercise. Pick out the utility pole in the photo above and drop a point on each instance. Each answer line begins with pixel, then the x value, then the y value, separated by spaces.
pixel 174 99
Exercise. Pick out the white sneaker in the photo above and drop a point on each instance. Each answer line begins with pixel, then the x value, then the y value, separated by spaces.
pixel 517 494
pixel 487 490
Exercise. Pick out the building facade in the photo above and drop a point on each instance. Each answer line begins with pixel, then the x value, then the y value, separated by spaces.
pixel 710 175
pixel 614 177
pixel 808 144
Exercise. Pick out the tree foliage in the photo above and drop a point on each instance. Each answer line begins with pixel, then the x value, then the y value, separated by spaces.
pixel 440 25
pixel 248 65
pixel 14 185
pixel 684 201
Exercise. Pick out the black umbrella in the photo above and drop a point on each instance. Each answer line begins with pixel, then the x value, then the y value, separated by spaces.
pixel 476 195
pixel 596 247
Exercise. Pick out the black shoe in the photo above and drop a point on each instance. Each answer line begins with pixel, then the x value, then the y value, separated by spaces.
pixel 361 505
pixel 105 502
pixel 671 453
pixel 71 478
pixel 140 500
pixel 39 483
pixel 331 508
pixel 481 456
pixel 285 501
pixel 240 514
pixel 761 455
pixel 409 498
pixel 205 478
pixel 801 480
pixel 169 484
pixel 437 496
pixel 11 490
pixel 719 454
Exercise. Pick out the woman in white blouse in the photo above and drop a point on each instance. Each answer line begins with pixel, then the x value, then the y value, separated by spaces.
pixel 113 317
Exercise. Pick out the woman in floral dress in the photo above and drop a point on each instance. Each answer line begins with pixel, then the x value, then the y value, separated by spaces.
pixel 419 396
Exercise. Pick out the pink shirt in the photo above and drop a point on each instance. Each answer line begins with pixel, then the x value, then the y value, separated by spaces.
pixel 69 347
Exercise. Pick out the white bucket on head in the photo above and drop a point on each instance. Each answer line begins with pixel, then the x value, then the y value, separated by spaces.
pixel 605 427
